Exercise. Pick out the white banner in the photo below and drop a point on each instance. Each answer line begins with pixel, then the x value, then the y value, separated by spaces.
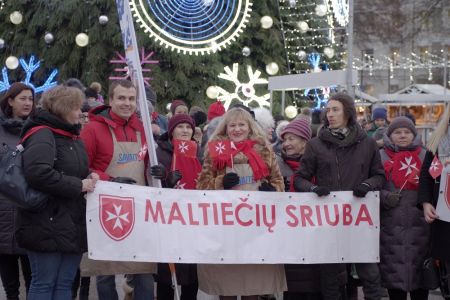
pixel 136 223
pixel 443 204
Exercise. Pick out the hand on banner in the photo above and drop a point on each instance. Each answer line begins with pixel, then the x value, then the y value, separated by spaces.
pixel 429 212
pixel 320 190
pixel 230 180
pixel 267 187
pixel 173 177
pixel 126 180
pixel 393 199
pixel 94 176
pixel 88 185
pixel 361 190
pixel 158 171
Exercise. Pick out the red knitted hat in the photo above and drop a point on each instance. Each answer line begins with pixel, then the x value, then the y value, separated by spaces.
pixel 300 127
pixel 216 110
pixel 178 119
pixel 176 103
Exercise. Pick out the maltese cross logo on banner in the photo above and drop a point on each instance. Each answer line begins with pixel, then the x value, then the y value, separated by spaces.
pixel 117 216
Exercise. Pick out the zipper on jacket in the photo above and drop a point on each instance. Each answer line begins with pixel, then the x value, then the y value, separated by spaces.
pixel 338 172
pixel 125 131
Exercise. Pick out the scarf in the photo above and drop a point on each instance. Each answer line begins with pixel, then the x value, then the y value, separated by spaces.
pixel 340 133
pixel 259 167
pixel 294 165
pixel 403 168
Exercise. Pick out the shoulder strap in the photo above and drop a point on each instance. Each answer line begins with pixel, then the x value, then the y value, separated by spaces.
pixel 37 128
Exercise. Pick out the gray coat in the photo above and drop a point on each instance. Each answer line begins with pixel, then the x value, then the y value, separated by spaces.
pixel 9 135
pixel 404 235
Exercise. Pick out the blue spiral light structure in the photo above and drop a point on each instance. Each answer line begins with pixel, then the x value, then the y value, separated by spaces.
pixel 192 26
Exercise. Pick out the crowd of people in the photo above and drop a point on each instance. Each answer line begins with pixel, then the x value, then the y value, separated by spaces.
pixel 319 152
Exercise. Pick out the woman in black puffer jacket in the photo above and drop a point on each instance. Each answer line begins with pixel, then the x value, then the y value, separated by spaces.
pixel 16 105
pixel 55 162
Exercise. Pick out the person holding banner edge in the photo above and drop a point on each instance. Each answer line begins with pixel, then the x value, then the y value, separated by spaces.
pixel 178 168
pixel 239 157
pixel 436 158
pixel 115 139
pixel 404 234
pixel 341 158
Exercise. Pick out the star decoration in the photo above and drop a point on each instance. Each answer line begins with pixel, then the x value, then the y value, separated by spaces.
pixel 183 147
pixel 117 217
pixel 220 148
pixel 408 166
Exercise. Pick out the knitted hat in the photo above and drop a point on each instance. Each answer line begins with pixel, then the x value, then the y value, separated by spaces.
pixel 379 113
pixel 216 110
pixel 401 122
pixel 300 127
pixel 178 119
pixel 176 103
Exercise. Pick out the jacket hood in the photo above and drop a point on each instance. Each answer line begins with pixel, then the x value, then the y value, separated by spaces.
pixel 44 117
pixel 13 126
pixel 103 114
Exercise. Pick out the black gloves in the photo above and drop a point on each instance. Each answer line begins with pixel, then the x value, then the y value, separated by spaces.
pixel 287 183
pixel 267 187
pixel 320 190
pixel 361 190
pixel 230 180
pixel 393 199
pixel 172 178
pixel 158 171
pixel 126 180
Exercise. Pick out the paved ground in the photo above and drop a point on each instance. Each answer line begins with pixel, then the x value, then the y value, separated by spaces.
pixel 434 295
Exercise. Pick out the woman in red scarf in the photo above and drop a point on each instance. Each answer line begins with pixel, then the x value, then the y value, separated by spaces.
pixel 404 238
pixel 178 168
pixel 250 165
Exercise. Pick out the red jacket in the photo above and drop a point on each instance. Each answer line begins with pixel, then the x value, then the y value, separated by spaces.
pixel 98 140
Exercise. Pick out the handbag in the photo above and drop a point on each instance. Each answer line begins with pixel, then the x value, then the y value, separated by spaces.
pixel 430 274
pixel 13 185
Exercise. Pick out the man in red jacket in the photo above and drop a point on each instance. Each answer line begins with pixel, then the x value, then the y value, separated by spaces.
pixel 116 146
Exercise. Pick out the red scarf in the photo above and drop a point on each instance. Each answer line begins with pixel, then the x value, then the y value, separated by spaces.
pixel 294 165
pixel 259 167
pixel 403 168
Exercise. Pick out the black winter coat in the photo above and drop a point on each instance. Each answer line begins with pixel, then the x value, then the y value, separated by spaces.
pixel 54 164
pixel 429 192
pixel 404 238
pixel 9 135
pixel 186 273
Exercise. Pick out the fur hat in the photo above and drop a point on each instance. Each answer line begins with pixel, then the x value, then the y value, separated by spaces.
pixel 216 110
pixel 178 119
pixel 176 103
pixel 401 122
pixel 379 113
pixel 280 127
pixel 300 127
pixel 264 118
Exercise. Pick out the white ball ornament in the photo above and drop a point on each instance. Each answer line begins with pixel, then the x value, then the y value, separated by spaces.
pixel 16 17
pixel 321 10
pixel 272 68
pixel 12 62
pixel 2 43
pixel 290 111
pixel 82 39
pixel 266 22
pixel 246 51
pixel 329 52
pixel 49 38
pixel 212 92
pixel 103 19
pixel 301 54
pixel 303 26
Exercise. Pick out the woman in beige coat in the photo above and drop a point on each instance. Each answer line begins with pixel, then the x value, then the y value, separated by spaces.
pixel 253 167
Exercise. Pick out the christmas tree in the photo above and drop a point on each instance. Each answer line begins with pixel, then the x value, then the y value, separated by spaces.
pixel 48 29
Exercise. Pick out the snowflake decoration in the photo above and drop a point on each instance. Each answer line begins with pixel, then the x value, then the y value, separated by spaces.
pixel 243 92
pixel 145 59
pixel 320 94
pixel 192 27
pixel 29 68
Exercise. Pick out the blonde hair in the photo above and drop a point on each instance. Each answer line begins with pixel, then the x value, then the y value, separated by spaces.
pixel 96 86
pixel 61 100
pixel 255 133
pixel 440 131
